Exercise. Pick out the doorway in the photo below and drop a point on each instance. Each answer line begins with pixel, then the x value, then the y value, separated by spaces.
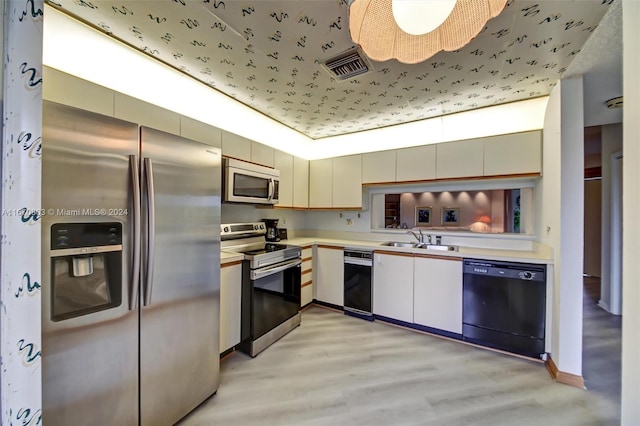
pixel 602 330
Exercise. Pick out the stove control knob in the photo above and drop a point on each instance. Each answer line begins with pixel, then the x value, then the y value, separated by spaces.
pixel 527 275
pixel 255 227
pixel 226 229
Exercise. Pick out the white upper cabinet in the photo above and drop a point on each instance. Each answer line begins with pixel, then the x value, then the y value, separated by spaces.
pixel 416 163
pixel 284 163
pixel 347 182
pixel 262 154
pixel 236 146
pixel 201 132
pixel 379 167
pixel 336 183
pixel 321 183
pixel 513 154
pixel 459 159
pixel 136 111
pixel 66 89
pixel 300 183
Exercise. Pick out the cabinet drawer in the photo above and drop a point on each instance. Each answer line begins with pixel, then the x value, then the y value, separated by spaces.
pixel 307 277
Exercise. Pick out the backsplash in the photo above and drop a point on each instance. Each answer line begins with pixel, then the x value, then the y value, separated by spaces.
pixel 290 219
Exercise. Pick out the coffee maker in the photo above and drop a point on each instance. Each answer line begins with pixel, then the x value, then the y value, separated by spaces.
pixel 272 229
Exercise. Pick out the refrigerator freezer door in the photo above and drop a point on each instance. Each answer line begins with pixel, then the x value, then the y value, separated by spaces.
pixel 179 324
pixel 90 361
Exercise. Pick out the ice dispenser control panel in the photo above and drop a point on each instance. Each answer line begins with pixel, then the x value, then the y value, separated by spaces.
pixel 85 235
pixel 86 268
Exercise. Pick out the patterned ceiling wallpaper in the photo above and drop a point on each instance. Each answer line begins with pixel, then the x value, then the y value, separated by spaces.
pixel 268 55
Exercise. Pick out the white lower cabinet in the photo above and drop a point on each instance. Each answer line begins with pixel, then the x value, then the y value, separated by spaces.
pixel 437 297
pixel 393 286
pixel 329 271
pixel 230 304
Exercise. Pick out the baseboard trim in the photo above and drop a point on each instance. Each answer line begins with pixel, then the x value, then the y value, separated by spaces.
pixel 329 306
pixel 562 377
pixel 603 305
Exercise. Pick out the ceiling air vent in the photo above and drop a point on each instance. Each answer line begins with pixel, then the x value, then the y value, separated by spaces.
pixel 614 103
pixel 347 65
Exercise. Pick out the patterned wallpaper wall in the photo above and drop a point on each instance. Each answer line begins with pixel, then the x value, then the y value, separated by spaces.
pixel 21 176
pixel 268 55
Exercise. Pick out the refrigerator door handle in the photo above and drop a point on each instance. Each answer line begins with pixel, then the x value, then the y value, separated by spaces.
pixel 151 230
pixel 135 187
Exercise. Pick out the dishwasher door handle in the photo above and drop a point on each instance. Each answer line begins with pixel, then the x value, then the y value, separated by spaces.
pixel 357 261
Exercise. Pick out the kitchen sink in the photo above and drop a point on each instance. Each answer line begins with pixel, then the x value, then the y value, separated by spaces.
pixel 398 244
pixel 420 246
pixel 438 247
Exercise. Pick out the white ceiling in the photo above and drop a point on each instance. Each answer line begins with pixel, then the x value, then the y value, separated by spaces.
pixel 268 55
pixel 600 63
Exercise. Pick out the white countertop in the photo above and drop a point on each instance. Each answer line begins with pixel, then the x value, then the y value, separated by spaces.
pixel 229 257
pixel 465 252
pixel 528 256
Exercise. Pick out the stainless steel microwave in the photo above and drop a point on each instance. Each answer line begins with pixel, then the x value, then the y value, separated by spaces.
pixel 250 183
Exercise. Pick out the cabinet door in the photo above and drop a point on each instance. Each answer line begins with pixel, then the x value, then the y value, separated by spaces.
pixel 417 163
pixel 379 167
pixel 230 302
pixel 306 284
pixel 137 111
pixel 201 132
pixel 262 154
pixel 66 89
pixel 284 163
pixel 459 159
pixel 393 286
pixel 347 182
pixel 438 293
pixel 513 154
pixel 300 183
pixel 236 146
pixel 329 269
pixel 321 183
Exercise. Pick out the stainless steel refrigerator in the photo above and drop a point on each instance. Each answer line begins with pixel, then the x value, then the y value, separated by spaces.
pixel 130 271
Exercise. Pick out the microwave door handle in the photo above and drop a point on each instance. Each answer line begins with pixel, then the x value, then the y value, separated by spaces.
pixel 135 273
pixel 271 189
pixel 151 230
pixel 261 273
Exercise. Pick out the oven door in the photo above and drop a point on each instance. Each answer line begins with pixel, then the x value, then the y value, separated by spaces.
pixel 273 297
pixel 247 186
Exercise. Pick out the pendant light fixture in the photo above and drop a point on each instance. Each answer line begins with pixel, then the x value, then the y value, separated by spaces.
pixel 387 29
pixel 419 17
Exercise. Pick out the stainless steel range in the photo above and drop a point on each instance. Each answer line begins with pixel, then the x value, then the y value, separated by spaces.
pixel 271 276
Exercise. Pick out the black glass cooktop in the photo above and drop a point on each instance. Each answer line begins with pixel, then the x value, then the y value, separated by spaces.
pixel 268 248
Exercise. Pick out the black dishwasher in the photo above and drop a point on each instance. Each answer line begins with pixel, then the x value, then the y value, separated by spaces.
pixel 358 297
pixel 504 306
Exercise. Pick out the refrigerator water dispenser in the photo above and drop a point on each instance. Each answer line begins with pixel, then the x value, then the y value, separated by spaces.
pixel 86 268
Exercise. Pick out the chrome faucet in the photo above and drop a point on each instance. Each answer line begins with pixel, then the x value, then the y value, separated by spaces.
pixel 419 238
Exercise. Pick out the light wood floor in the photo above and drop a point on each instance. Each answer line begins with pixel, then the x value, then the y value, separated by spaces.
pixel 338 370
pixel 601 344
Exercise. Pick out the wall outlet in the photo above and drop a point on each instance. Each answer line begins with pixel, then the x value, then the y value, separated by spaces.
pixel 548 230
pixel 349 222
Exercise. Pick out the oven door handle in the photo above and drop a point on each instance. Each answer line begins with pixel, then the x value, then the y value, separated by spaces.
pixel 261 273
